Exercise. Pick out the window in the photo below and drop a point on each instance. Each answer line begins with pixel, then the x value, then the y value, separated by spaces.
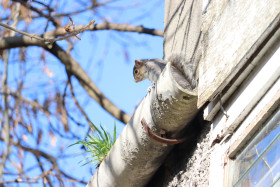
pixel 259 162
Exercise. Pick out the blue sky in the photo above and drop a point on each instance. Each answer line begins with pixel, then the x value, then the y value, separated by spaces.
pixel 113 74
pixel 107 56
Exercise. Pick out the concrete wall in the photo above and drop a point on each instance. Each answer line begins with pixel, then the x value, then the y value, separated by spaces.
pixel 188 163
pixel 240 62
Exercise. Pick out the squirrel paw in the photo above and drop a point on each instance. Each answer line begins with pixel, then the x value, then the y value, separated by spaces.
pixel 151 87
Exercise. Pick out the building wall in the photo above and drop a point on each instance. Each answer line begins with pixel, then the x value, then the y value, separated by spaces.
pixel 207 159
pixel 187 164
pixel 240 63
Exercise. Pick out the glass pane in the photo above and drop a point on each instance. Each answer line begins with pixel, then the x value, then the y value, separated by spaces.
pixel 259 163
pixel 277 183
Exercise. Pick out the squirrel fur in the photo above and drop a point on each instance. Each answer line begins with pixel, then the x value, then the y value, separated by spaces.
pixel 152 68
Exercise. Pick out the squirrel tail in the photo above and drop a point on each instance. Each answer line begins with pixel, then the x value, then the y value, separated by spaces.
pixel 185 66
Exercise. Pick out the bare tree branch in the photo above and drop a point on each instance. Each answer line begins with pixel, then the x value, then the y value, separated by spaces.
pixel 19 180
pixel 74 68
pixel 30 102
pixel 28 180
pixel 6 126
pixel 49 157
pixel 46 177
pixel 60 31
pixel 38 11
pixel 37 117
pixel 69 82
pixel 50 37
pixel 56 15
pixel 77 103
pixel 35 104
pixel 48 40
pixel 23 33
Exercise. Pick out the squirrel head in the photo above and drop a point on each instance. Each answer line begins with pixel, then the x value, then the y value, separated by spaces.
pixel 139 71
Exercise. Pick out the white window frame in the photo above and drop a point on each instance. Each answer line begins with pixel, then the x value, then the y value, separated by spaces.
pixel 256 94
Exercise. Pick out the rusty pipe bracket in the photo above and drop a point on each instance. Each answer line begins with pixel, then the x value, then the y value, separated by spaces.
pixel 159 138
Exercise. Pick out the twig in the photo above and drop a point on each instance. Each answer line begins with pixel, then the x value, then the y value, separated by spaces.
pixel 73 25
pixel 35 104
pixel 21 41
pixel 31 103
pixel 60 31
pixel 43 171
pixel 27 5
pixel 76 70
pixel 55 15
pixel 49 40
pixel 47 6
pixel 73 33
pixel 48 157
pixel 19 180
pixel 71 179
pixel 6 125
pixel 27 180
pixel 22 32
pixel 63 103
pixel 76 101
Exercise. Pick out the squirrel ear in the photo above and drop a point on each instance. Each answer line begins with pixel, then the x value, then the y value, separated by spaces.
pixel 138 63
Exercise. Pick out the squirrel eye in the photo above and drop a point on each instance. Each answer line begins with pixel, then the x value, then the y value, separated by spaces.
pixel 136 71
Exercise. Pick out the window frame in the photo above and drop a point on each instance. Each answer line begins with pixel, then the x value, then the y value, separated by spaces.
pixel 235 133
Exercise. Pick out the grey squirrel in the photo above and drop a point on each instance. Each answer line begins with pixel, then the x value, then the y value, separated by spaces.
pixel 152 68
